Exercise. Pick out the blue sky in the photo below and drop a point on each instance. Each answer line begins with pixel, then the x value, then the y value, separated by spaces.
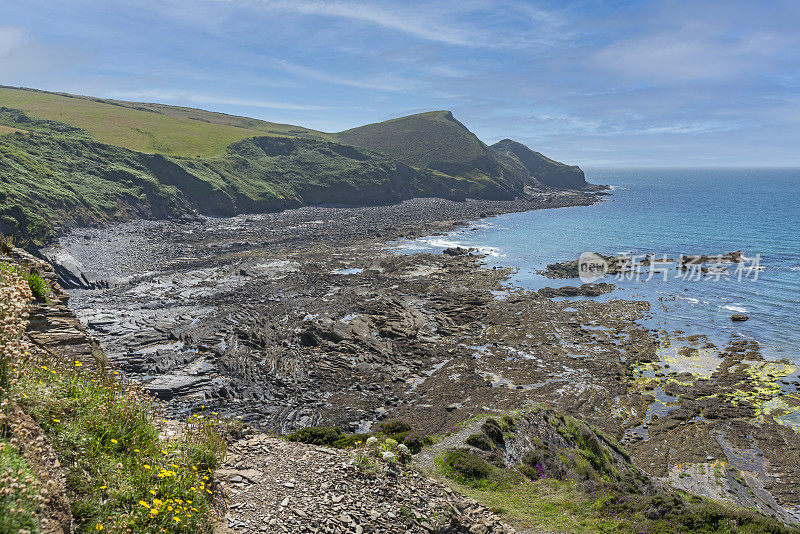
pixel 616 83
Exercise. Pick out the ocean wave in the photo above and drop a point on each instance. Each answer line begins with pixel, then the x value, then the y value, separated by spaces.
pixel 429 243
pixel 439 242
pixel 737 309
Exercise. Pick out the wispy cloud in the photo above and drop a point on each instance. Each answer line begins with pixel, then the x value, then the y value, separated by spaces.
pixel 382 82
pixel 465 23
pixel 411 22
pixel 188 98
pixel 11 39
pixel 659 81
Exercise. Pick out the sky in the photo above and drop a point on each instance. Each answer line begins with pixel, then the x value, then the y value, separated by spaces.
pixel 603 84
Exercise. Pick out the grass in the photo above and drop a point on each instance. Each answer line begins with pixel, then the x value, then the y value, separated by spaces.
pixel 57 178
pixel 419 140
pixel 19 491
pixel 574 478
pixel 546 170
pixel 5 130
pixel 121 474
pixel 38 286
pixel 144 127
pixel 562 506
pixel 139 130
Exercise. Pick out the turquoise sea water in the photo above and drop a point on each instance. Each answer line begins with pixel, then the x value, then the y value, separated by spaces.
pixel 670 212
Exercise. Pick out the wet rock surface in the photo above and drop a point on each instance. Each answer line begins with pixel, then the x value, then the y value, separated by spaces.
pixel 308 318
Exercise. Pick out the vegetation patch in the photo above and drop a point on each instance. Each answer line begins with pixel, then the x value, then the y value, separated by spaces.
pixel 121 475
pixel 399 431
pixel 40 289
pixel 573 478
pixel 19 492
pixel 466 468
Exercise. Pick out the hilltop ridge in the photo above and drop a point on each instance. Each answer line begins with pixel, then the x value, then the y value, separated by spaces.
pixel 72 160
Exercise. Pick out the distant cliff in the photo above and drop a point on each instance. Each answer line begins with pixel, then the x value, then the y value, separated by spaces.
pixel 68 160
pixel 541 168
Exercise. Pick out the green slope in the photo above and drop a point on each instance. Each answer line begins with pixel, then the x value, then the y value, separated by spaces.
pixel 54 177
pixel 545 170
pixel 422 140
pixel 436 140
pixel 153 128
pixel 69 160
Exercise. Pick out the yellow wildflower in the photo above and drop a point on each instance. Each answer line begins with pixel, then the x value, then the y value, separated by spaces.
pixel 144 504
pixel 78 364
pixel 114 441
pixel 98 526
pixel 146 466
pixel 177 519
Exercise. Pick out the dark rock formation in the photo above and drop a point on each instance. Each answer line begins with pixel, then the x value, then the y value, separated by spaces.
pixel 585 290
pixel 541 168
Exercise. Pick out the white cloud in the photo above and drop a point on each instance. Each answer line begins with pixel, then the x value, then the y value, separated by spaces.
pixel 466 23
pixel 690 51
pixel 198 98
pixel 407 21
pixel 11 39
pixel 26 60
pixel 384 82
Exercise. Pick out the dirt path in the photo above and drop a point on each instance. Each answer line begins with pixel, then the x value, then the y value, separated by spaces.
pixel 425 460
pixel 270 485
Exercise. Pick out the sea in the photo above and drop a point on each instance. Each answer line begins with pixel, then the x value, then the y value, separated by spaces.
pixel 669 212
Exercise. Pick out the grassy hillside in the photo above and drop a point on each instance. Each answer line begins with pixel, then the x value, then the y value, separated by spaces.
pixel 437 141
pixel 545 170
pixel 214 117
pixel 144 127
pixel 55 177
pixel 421 140
pixel 70 160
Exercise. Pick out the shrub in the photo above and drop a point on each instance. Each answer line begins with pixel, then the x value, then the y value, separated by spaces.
pixel 414 442
pixel 479 441
pixel 316 435
pixel 119 472
pixel 350 440
pixel 493 431
pixel 464 467
pixel 39 286
pixel 394 426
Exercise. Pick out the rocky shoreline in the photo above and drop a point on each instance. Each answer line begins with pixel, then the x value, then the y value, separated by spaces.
pixel 307 317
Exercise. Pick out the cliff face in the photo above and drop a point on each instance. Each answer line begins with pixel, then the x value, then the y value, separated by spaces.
pixel 541 168
pixel 55 175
